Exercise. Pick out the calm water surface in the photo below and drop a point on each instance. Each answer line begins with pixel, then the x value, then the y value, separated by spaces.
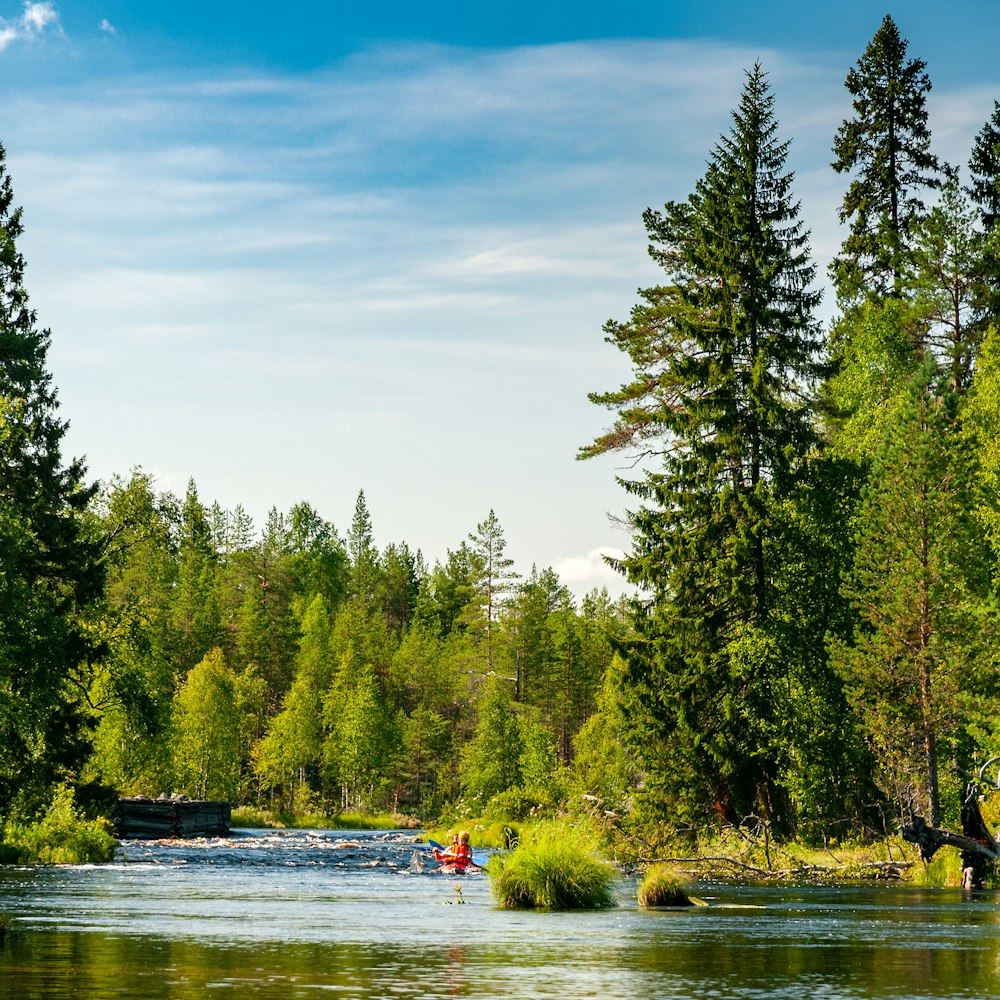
pixel 297 914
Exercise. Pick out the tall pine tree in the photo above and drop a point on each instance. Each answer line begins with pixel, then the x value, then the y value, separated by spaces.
pixel 723 353
pixel 49 569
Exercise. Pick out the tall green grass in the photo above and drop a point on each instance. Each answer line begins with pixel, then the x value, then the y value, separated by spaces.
pixel 555 867
pixel 663 886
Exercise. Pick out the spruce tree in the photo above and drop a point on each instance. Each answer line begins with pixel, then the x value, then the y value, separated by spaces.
pixel 496 575
pixel 365 566
pixel 886 144
pixel 49 568
pixel 984 168
pixel 984 190
pixel 724 355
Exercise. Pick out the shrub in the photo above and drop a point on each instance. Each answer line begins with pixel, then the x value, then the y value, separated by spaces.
pixel 519 804
pixel 555 868
pixel 662 886
pixel 61 836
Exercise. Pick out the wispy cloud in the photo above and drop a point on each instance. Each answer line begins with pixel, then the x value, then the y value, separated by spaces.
pixel 29 26
pixel 107 27
pixel 391 274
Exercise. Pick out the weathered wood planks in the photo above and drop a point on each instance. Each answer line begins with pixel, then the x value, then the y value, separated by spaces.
pixel 159 819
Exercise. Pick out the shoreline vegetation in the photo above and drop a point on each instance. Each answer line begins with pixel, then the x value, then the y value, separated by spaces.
pixel 535 858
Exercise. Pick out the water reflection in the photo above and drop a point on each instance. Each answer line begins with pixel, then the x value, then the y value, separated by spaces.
pixel 295 914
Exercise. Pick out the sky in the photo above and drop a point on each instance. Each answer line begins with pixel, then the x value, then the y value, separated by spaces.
pixel 296 251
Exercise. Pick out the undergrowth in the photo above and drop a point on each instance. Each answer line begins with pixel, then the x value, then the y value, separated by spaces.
pixel 61 836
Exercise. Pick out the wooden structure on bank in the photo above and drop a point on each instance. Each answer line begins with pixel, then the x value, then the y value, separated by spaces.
pixel 160 819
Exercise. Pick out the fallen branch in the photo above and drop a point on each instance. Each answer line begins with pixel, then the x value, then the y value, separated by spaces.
pixel 931 839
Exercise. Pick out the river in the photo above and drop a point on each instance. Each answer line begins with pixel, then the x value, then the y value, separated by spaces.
pixel 295 914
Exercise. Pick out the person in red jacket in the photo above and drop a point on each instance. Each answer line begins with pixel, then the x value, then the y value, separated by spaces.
pixel 458 857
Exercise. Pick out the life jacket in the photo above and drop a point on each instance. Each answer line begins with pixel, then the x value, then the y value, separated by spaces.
pixel 462 855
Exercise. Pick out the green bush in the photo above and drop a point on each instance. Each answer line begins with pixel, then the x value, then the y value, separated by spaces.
pixel 663 886
pixel 250 817
pixel 62 836
pixel 555 868
pixel 520 803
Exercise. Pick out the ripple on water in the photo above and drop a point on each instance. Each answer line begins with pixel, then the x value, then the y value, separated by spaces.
pixel 307 913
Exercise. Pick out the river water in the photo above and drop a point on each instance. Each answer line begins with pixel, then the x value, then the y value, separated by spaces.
pixel 304 914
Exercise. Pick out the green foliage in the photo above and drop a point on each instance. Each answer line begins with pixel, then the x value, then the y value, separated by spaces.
pixel 604 766
pixel 62 836
pixel 918 585
pixel 984 167
pixel 519 804
pixel 427 746
pixel 873 348
pixel 363 744
pixel 207 730
pixel 495 578
pixel 491 761
pixel 944 869
pixel 556 868
pixel 948 284
pixel 663 885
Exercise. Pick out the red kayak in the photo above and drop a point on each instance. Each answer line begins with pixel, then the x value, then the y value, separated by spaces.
pixel 453 869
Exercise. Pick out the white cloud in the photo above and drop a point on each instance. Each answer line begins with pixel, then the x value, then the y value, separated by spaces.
pixel 583 573
pixel 107 27
pixel 35 19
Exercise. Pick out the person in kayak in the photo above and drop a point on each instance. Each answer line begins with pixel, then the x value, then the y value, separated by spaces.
pixel 459 854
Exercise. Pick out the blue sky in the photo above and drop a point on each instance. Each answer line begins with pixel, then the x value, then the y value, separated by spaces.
pixel 297 251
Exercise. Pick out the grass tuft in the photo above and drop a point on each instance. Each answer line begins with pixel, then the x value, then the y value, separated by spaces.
pixel 554 868
pixel 663 886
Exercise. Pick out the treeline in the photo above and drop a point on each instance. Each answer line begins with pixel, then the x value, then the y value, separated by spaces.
pixel 301 671
pixel 817 522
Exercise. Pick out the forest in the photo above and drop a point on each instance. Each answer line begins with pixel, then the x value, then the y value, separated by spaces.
pixel 815 532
